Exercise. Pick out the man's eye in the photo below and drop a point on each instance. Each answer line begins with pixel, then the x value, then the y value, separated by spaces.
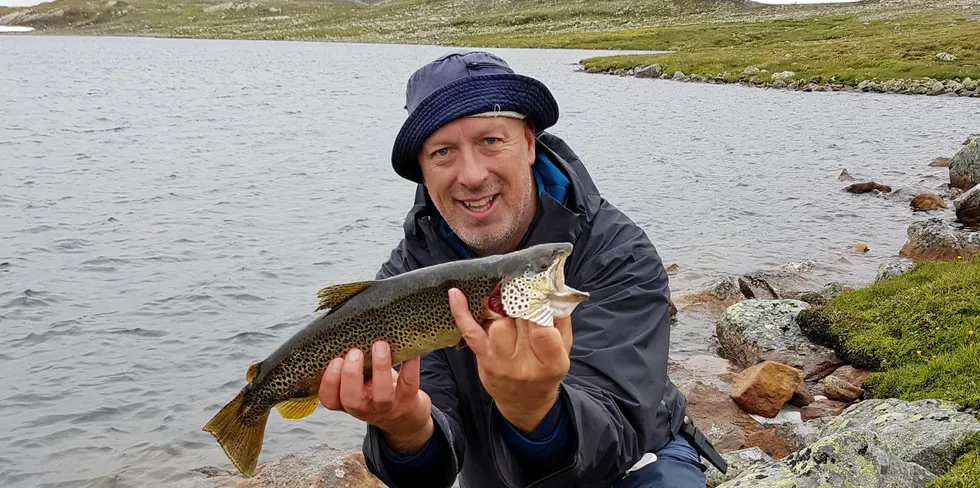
pixel 441 152
pixel 490 140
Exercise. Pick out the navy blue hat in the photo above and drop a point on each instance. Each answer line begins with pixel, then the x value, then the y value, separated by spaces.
pixel 460 84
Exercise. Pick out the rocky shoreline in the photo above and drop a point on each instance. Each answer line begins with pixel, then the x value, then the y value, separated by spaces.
pixel 782 406
pixel 785 80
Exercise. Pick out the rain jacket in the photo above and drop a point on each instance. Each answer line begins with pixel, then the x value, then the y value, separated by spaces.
pixel 618 402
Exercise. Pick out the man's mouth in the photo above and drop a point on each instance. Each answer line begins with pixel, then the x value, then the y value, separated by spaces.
pixel 479 206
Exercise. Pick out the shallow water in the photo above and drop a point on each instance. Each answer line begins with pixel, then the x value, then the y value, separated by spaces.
pixel 170 207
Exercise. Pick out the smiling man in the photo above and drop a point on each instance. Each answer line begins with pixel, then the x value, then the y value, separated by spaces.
pixel 586 403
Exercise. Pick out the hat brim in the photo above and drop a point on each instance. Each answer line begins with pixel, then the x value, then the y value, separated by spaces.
pixel 470 96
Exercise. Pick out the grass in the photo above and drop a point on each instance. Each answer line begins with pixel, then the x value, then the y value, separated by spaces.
pixel 920 334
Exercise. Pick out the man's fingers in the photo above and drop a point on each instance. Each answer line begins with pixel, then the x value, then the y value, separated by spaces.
pixel 564 326
pixel 407 385
pixel 352 381
pixel 330 385
pixel 475 336
pixel 383 391
pixel 548 346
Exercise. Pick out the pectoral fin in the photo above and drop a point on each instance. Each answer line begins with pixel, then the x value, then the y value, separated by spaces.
pixel 332 296
pixel 297 408
pixel 540 313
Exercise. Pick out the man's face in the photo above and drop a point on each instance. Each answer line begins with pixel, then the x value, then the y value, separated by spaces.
pixel 477 171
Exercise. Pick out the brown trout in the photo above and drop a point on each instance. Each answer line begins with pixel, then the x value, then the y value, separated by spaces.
pixel 409 311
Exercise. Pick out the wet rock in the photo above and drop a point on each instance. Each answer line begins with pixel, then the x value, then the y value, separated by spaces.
pixel 852 375
pixel 927 202
pixel 964 167
pixel 823 295
pixel 858 247
pixel 707 369
pixel 753 331
pixel 822 408
pixel 671 308
pixel 940 163
pixel 967 206
pixel 845 176
pixel 836 388
pixel 894 268
pixel 791 280
pixel 966 142
pixel 849 459
pixel 726 425
pixel 925 432
pixel 763 389
pixel 319 466
pixel 651 71
pixel 938 239
pixel 738 462
pixel 868 187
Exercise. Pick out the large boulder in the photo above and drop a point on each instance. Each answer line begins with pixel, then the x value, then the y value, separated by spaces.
pixel 967 206
pixel 940 239
pixel 854 458
pixel 964 167
pixel 738 462
pixel 763 389
pixel 319 466
pixel 753 331
pixel 925 432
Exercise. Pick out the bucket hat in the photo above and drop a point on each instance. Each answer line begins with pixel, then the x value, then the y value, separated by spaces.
pixel 461 84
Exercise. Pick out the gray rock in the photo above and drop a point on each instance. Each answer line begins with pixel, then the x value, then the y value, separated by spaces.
pixel 854 458
pixel 925 432
pixel 651 71
pixel 753 331
pixel 964 167
pixel 967 206
pixel 970 84
pixel 679 75
pixel 319 466
pixel 738 462
pixel 779 84
pixel 751 70
pixel 893 268
pixel 783 75
pixel 808 432
pixel 936 88
pixel 945 57
pixel 937 238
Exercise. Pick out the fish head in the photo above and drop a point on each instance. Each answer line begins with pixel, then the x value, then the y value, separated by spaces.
pixel 534 288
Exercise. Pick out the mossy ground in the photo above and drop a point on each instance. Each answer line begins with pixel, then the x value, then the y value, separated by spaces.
pixel 920 331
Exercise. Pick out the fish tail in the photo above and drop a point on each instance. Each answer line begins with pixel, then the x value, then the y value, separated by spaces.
pixel 241 442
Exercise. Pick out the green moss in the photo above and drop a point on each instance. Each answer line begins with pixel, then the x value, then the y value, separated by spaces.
pixel 965 474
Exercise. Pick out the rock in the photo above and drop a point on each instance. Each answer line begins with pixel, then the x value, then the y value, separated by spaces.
pixel 845 176
pixel 651 71
pixel 855 458
pixel 894 268
pixel 707 369
pixel 823 295
pixel 783 75
pixel 779 84
pixel 967 206
pixel 970 84
pixel 319 466
pixel 859 247
pixel 753 331
pixel 964 167
pixel 725 424
pixel 966 142
pixel 822 408
pixel 671 308
pixel 839 389
pixel 938 239
pixel 808 431
pixel 945 57
pixel 925 432
pixel 671 269
pixel 868 187
pixel 751 70
pixel 927 202
pixel 764 388
pixel 738 462
pixel 679 75
pixel 852 375
pixel 801 397
pixel 940 163
pixel 788 281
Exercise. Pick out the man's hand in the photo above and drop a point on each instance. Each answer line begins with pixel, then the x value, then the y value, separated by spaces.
pixel 521 364
pixel 391 401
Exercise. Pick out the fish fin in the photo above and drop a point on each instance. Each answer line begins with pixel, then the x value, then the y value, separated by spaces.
pixel 298 408
pixel 332 296
pixel 241 442
pixel 252 372
pixel 541 314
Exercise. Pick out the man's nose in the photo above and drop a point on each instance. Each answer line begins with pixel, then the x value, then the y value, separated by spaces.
pixel 473 172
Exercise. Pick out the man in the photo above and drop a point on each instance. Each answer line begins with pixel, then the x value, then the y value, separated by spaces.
pixel 522 405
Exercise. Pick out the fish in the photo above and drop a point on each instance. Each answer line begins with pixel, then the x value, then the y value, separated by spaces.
pixel 410 311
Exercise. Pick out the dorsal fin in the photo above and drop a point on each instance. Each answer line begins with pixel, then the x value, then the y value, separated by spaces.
pixel 332 296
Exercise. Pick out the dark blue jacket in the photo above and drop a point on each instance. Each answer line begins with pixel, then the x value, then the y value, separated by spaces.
pixel 618 399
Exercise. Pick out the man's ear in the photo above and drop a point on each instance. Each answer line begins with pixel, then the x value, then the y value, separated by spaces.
pixel 529 136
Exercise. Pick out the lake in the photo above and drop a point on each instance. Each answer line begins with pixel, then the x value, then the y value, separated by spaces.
pixel 170 208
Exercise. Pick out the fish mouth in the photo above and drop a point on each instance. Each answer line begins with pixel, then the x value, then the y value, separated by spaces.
pixel 563 298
